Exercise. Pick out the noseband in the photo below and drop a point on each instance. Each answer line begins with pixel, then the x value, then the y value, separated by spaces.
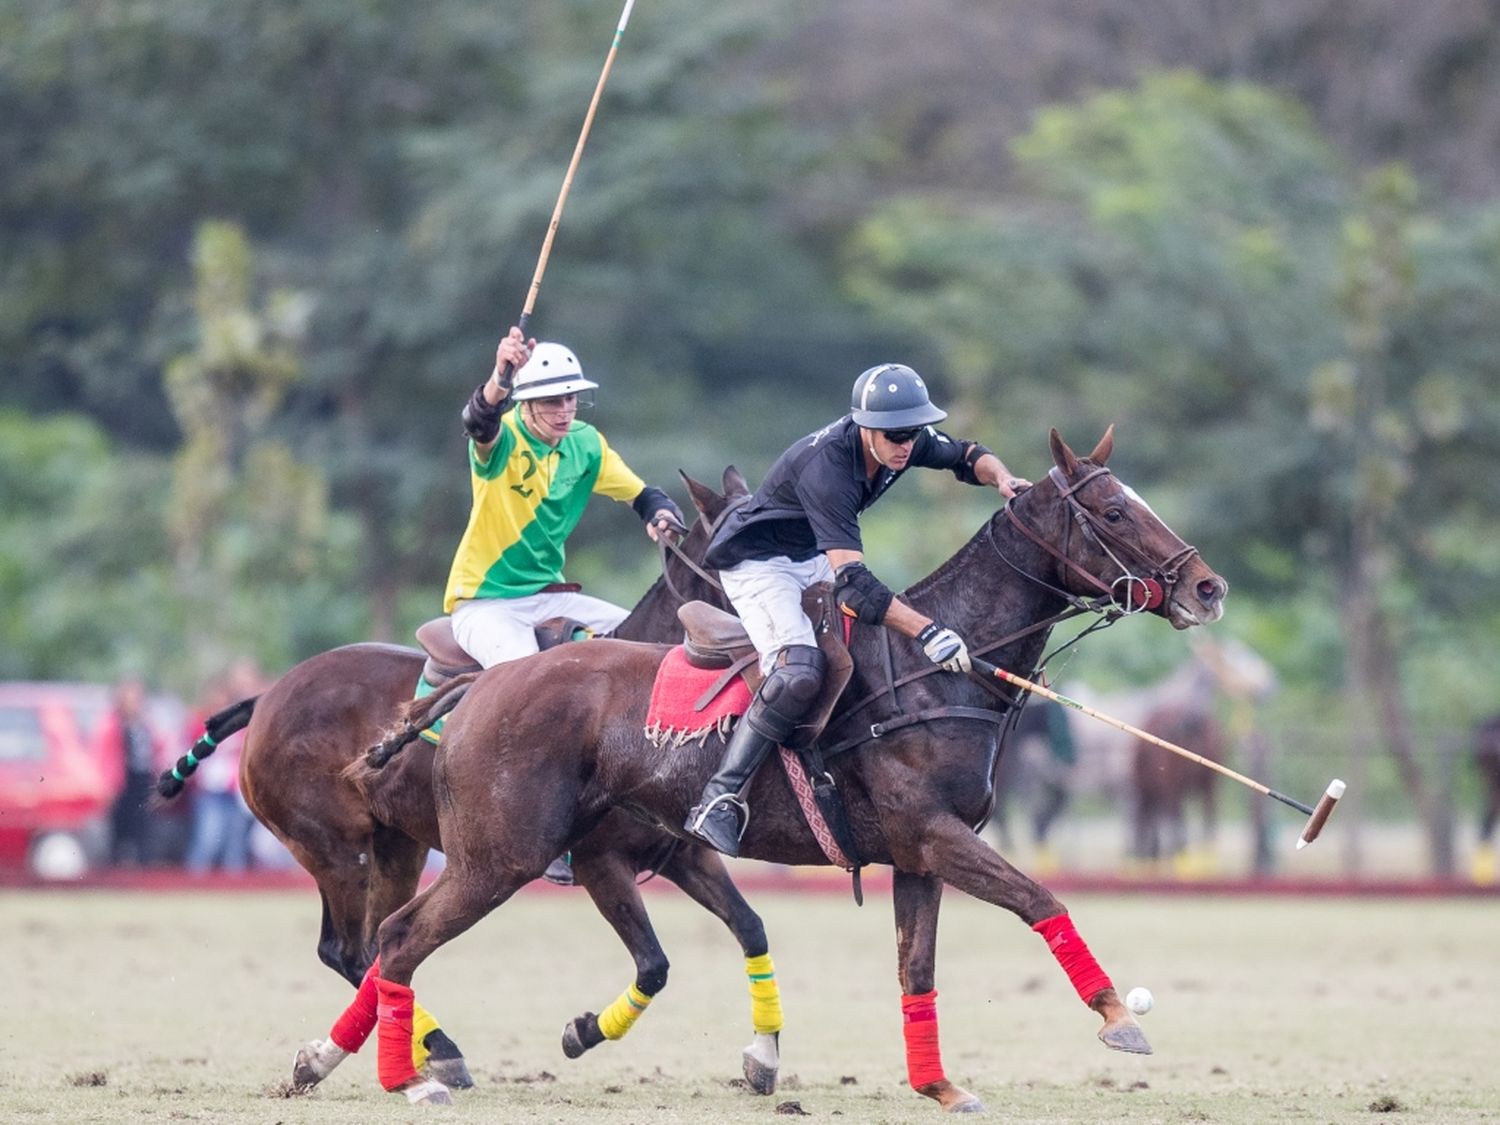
pixel 1130 592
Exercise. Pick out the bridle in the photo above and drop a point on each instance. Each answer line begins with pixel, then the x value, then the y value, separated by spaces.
pixel 1143 587
pixel 664 544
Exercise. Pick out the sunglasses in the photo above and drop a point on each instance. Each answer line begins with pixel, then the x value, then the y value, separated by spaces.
pixel 901 437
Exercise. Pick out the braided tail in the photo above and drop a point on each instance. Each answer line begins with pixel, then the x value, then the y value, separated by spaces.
pixel 411 720
pixel 216 729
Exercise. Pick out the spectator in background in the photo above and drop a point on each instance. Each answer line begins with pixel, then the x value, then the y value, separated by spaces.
pixel 220 818
pixel 125 736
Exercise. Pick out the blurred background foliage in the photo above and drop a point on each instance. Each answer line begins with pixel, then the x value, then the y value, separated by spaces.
pixel 253 258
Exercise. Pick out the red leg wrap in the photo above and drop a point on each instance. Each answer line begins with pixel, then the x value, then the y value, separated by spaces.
pixel 924 1062
pixel 358 1020
pixel 1074 956
pixel 395 1012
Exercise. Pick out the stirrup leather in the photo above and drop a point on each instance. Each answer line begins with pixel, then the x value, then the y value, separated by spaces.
pixel 724 799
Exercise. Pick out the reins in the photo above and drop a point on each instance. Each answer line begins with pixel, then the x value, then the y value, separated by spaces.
pixel 665 544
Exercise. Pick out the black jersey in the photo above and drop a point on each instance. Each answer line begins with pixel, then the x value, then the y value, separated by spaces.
pixel 811 499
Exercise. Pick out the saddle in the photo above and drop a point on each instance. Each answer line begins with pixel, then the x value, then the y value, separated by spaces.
pixel 445 659
pixel 716 639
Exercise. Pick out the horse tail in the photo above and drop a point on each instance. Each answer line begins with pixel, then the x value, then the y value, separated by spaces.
pixel 216 728
pixel 412 718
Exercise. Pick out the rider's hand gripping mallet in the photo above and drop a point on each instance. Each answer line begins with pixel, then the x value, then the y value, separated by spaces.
pixel 1316 817
pixel 562 196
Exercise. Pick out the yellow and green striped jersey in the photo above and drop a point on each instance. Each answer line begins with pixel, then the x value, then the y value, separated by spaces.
pixel 528 498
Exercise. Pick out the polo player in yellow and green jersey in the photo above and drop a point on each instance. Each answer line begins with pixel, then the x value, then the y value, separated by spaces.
pixel 532 470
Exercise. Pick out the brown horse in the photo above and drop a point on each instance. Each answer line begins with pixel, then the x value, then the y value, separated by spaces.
pixel 1164 784
pixel 366 848
pixel 913 797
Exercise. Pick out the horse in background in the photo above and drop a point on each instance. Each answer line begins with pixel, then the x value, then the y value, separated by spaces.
pixel 1036 770
pixel 1207 705
pixel 1165 786
pixel 1487 763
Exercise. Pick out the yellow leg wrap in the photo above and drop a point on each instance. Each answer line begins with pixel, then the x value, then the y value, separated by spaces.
pixel 765 997
pixel 422 1023
pixel 620 1016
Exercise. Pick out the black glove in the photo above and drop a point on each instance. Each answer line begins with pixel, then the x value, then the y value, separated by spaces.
pixel 944 647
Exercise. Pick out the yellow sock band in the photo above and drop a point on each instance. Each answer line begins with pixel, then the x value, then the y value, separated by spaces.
pixel 423 1023
pixel 620 1016
pixel 765 997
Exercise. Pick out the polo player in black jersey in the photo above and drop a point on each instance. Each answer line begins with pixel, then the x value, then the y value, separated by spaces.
pixel 802 527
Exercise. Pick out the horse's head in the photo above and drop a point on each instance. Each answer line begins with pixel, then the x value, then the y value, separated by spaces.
pixel 1108 540
pixel 681 577
pixel 710 504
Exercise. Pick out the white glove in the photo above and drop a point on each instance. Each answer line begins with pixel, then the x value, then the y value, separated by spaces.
pixel 944 647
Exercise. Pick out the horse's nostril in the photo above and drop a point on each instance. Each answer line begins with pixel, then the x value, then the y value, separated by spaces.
pixel 1208 591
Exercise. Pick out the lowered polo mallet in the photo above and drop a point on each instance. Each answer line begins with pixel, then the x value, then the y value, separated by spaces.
pixel 562 196
pixel 1316 817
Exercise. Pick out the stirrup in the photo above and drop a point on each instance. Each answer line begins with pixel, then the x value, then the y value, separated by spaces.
pixel 723 799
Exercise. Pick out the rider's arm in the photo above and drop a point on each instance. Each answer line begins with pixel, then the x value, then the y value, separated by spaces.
pixel 969 461
pixel 659 511
pixel 898 615
pixel 989 469
pixel 487 403
pixel 616 480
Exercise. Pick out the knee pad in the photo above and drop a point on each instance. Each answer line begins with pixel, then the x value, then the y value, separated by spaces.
pixel 789 691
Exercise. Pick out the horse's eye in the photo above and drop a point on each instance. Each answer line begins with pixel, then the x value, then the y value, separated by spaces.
pixel 1114 515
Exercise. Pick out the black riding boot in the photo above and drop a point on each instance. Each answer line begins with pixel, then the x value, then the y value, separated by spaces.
pixel 720 816
pixel 789 692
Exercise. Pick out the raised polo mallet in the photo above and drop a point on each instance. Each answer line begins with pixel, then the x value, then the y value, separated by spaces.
pixel 562 196
pixel 1316 817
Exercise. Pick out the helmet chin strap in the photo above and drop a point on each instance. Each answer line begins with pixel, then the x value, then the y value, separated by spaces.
pixel 870 445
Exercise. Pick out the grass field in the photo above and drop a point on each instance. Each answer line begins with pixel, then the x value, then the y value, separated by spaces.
pixel 181 1007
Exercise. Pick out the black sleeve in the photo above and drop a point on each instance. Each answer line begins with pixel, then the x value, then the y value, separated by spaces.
pixel 936 450
pixel 830 498
pixel 652 500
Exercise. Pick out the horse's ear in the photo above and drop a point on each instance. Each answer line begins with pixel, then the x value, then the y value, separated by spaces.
pixel 1105 447
pixel 734 483
pixel 1065 458
pixel 708 502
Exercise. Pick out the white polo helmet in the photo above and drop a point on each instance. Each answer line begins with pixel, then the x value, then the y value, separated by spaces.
pixel 552 370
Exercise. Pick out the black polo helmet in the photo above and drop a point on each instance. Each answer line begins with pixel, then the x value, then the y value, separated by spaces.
pixel 892 397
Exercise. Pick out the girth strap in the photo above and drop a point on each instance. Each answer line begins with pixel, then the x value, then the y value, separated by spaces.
pixel 889 726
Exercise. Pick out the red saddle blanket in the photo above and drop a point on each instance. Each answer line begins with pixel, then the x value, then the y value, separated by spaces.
pixel 676 694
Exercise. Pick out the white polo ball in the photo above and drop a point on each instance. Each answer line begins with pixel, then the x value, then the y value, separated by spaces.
pixel 1140 1001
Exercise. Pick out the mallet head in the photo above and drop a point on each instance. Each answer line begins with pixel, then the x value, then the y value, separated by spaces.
pixel 1321 813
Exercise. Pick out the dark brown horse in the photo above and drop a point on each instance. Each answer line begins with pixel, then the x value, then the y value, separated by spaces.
pixel 914 795
pixel 366 848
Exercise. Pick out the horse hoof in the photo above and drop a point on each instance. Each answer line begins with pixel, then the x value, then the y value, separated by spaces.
pixel 1126 1035
pixel 763 1063
pixel 427 1092
pixel 581 1034
pixel 445 1062
pixel 453 1073
pixel 953 1099
pixel 315 1061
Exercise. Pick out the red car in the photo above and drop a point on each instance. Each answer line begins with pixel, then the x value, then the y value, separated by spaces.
pixel 56 783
